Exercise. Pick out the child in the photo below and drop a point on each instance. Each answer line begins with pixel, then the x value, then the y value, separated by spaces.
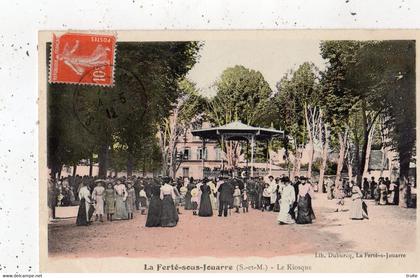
pixel 194 200
pixel 339 195
pixel 245 201
pixel 266 197
pixel 131 199
pixel 143 201
pixel 109 201
pixel 237 199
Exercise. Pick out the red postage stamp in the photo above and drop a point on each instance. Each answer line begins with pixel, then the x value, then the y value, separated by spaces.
pixel 83 59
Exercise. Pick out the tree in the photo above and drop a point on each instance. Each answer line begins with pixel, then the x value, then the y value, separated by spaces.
pixel 64 145
pixel 297 100
pixel 161 67
pixel 392 66
pixel 242 94
pixel 125 115
pixel 373 78
pixel 338 99
pixel 187 110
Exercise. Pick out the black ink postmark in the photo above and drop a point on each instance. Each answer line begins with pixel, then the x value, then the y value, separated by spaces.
pixel 100 110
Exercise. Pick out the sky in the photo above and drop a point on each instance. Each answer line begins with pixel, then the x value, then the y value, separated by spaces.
pixel 272 58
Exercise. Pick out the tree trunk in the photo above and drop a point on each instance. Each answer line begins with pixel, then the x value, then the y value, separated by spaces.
pixel 367 130
pixel 172 161
pixel 383 159
pixel 91 165
pixel 311 157
pixel 383 148
pixel 324 157
pixel 342 138
pixel 365 143
pixel 144 166
pixel 103 161
pixel 349 169
pixel 163 149
pixel 130 164
pixel 55 171
pixel 405 191
pixel 297 162
pixel 357 157
pixel 310 143
pixel 231 153
pixel 368 151
pixel 74 169
pixel 59 171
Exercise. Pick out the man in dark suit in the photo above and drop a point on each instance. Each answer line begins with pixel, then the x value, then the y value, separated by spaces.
pixel 373 185
pixel 137 186
pixel 225 195
pixel 365 188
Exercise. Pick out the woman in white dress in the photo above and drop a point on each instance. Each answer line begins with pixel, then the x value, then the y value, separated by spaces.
pixel 98 195
pixel 237 199
pixel 120 199
pixel 288 197
pixel 358 209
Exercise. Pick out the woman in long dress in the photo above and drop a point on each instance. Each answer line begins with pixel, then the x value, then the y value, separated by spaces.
pixel 188 204
pixel 287 200
pixel 237 198
pixel 169 216
pixel 98 197
pixel 391 194
pixel 357 212
pixel 85 213
pixel 278 188
pixel 383 193
pixel 212 195
pixel 120 199
pixel 109 201
pixel 206 208
pixel 131 200
pixel 155 207
pixel 305 213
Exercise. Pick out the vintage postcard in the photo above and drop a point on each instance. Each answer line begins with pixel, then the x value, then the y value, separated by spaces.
pixel 228 151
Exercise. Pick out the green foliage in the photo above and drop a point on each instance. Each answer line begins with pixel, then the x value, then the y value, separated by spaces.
pixel 296 92
pixel 64 144
pixel 331 168
pixel 82 118
pixel 372 78
pixel 195 104
pixel 242 94
pixel 338 97
pixel 393 78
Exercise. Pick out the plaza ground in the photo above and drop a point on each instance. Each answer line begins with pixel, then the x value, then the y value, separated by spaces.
pixel 256 233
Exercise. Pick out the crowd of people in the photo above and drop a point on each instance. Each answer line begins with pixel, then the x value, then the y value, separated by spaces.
pixel 383 191
pixel 160 199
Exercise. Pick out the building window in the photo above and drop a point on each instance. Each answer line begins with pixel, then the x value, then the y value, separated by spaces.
pixel 186 154
pixel 218 153
pixel 200 153
pixel 185 172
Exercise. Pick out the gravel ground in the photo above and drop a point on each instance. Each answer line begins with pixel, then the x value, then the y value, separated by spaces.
pixel 256 233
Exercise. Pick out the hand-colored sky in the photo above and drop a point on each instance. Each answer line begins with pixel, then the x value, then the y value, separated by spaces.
pixel 272 58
